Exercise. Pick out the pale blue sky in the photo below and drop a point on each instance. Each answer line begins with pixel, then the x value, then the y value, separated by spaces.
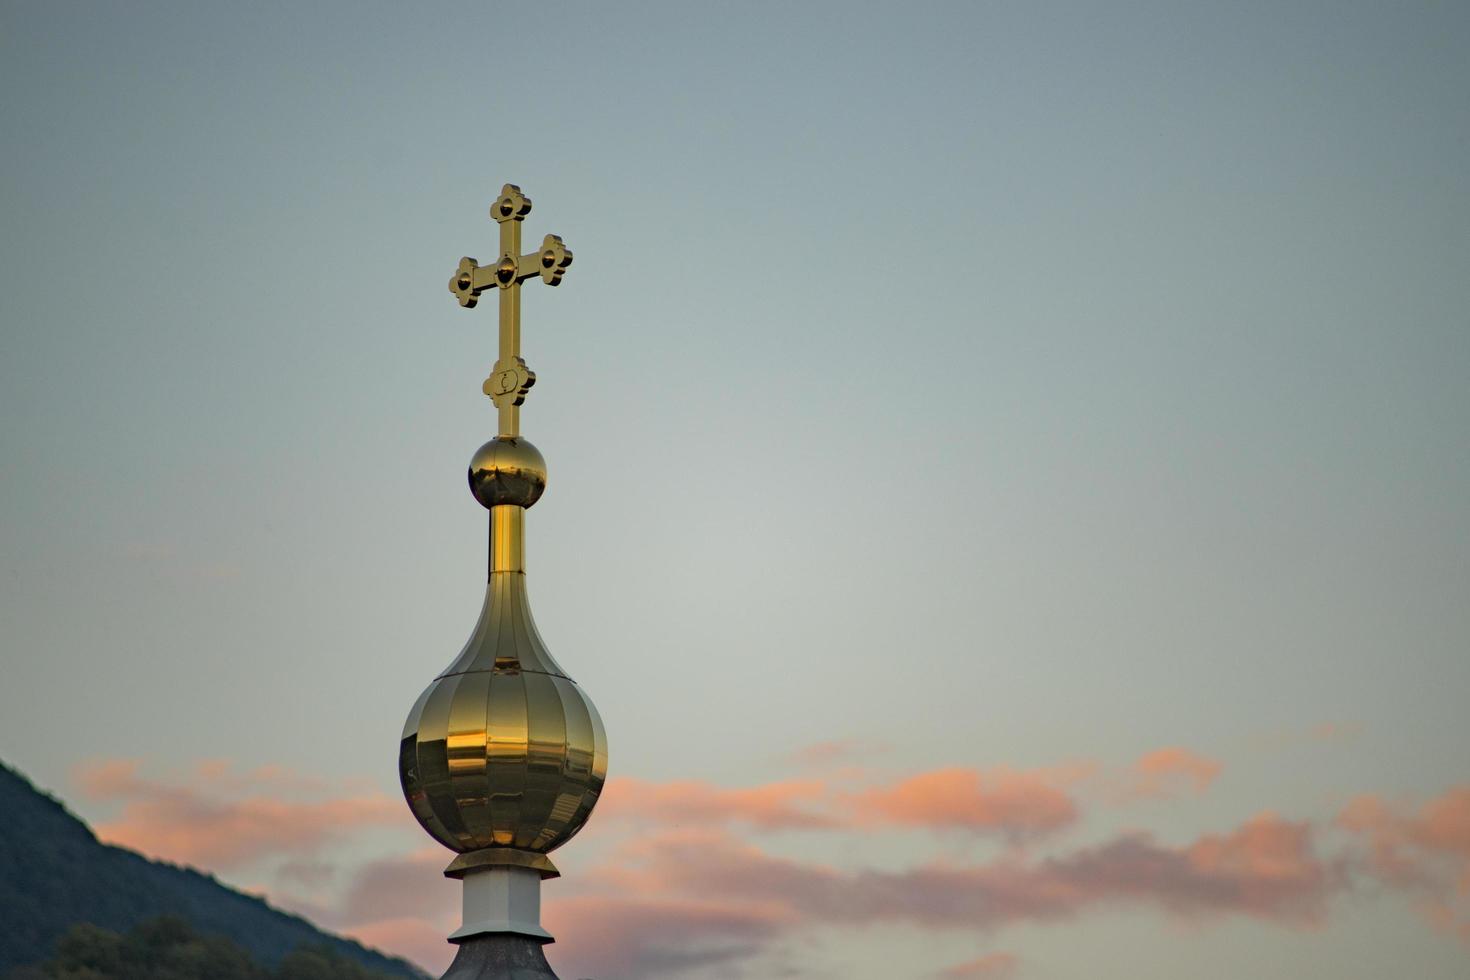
pixel 992 383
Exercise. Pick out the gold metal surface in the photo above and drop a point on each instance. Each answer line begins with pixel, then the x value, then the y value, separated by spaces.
pixel 503 749
pixel 510 379
pixel 507 538
pixel 507 470
pixel 503 756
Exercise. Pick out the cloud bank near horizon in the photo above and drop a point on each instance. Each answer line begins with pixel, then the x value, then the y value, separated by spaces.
pixel 687 881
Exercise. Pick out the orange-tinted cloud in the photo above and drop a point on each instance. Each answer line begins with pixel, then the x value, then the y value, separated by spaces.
pixel 1169 772
pixel 1267 868
pixel 107 779
pixel 195 820
pixel 1016 803
pixel 684 890
pixel 793 804
pixel 1425 851
pixel 992 966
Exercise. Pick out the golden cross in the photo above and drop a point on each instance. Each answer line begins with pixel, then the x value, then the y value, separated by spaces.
pixel 510 379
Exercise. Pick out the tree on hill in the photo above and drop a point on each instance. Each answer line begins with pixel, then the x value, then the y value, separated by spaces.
pixel 170 949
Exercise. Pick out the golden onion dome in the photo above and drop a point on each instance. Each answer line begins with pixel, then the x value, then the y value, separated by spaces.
pixel 503 749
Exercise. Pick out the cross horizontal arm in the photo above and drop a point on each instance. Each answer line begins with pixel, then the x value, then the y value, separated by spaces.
pixel 483 277
pixel 550 263
pixel 472 278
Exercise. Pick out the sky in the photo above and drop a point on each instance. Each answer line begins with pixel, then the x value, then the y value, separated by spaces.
pixel 1008 466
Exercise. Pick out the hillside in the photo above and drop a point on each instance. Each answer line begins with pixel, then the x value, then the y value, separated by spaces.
pixel 54 873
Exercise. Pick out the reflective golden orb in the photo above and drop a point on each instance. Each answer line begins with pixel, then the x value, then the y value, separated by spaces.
pixel 507 470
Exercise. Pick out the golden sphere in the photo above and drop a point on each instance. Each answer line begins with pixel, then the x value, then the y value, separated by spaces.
pixel 507 470
pixel 503 749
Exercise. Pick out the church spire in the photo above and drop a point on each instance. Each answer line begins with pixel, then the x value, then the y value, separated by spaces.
pixel 503 756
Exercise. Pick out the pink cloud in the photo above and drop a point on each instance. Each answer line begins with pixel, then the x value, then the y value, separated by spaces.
pixel 1017 803
pixel 1267 868
pixel 195 822
pixel 406 887
pixel 667 902
pixel 107 779
pixel 992 966
pixel 1169 772
pixel 406 906
pixel 632 936
pixel 1425 851
pixel 793 804
pixel 1013 802
pixel 307 872
pixel 419 940
pixel 687 891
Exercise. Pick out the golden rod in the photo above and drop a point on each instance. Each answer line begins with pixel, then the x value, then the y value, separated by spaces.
pixel 507 538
